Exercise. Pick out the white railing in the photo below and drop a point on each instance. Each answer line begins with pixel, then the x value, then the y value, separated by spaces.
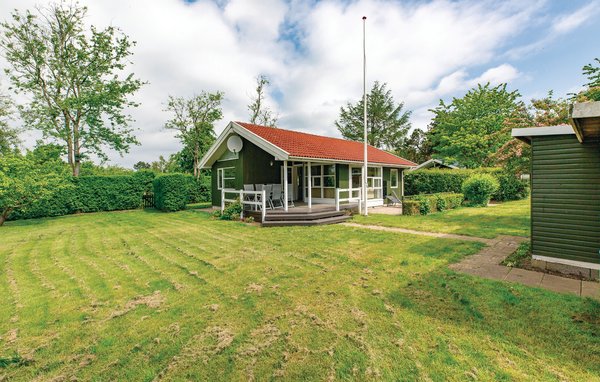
pixel 351 198
pixel 258 199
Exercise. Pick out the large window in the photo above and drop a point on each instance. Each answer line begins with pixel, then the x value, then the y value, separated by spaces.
pixel 226 178
pixel 323 181
pixel 394 178
pixel 374 181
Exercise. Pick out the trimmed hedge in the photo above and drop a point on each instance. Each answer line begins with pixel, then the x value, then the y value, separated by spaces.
pixel 425 204
pixel 171 191
pixel 199 189
pixel 91 194
pixel 443 180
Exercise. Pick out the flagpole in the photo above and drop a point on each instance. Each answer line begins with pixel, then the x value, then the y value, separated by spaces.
pixel 365 165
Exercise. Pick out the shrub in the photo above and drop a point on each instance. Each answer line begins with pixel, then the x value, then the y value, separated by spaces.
pixel 171 192
pixel 511 187
pixel 425 204
pixel 232 211
pixel 146 177
pixel 479 188
pixel 199 189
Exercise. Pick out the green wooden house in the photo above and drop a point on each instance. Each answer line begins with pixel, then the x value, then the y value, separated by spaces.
pixel 314 167
pixel 565 189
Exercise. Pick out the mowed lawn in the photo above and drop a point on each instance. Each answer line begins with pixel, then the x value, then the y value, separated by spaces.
pixel 144 296
pixel 510 218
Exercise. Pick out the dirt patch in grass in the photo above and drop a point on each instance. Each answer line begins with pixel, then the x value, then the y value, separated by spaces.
pixel 152 301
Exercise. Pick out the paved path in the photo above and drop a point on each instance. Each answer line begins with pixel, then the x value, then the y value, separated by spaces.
pixel 486 263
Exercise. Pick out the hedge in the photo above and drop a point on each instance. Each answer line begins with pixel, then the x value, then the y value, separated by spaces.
pixel 479 188
pixel 91 194
pixel 443 180
pixel 199 189
pixel 425 204
pixel 171 191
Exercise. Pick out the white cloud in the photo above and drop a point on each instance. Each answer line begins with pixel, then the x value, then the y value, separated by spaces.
pixel 312 53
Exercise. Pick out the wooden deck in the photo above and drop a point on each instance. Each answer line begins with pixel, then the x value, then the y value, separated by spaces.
pixel 302 215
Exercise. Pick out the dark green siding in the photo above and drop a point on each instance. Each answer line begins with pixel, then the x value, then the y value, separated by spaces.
pixel 565 198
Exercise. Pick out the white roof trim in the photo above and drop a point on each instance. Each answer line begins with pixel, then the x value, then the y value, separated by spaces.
pixel 211 155
pixel 529 132
pixel 345 161
pixel 426 163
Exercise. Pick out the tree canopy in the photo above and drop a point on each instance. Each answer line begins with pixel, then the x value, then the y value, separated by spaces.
pixel 471 128
pixel 592 87
pixel 194 120
pixel 260 113
pixel 387 122
pixel 73 77
pixel 9 137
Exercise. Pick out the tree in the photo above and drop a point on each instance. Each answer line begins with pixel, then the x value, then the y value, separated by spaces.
pixel 9 137
pixel 387 123
pixel 141 165
pixel 515 155
pixel 416 147
pixel 73 78
pixel 259 113
pixel 592 91
pixel 23 182
pixel 471 128
pixel 194 120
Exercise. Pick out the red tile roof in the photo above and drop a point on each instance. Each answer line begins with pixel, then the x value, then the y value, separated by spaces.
pixel 306 145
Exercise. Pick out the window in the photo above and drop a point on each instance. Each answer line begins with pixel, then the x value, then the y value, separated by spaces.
pixel 323 181
pixel 225 178
pixel 374 181
pixel 394 178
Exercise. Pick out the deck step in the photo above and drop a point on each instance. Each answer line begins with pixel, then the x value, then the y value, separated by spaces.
pixel 303 215
pixel 312 222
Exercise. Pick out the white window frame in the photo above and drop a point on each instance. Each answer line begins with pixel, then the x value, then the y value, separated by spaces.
pixel 372 180
pixel 394 170
pixel 221 177
pixel 320 179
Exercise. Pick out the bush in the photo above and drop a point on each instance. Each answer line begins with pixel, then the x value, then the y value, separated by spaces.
pixel 425 204
pixel 232 211
pixel 479 189
pixel 199 189
pixel 146 177
pixel 89 194
pixel 171 192
pixel 443 180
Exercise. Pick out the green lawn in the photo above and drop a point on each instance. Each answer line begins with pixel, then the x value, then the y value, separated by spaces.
pixel 152 296
pixel 510 218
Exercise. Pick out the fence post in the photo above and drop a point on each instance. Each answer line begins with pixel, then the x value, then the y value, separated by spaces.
pixel 242 203
pixel 264 205
pixel 337 199
pixel 222 200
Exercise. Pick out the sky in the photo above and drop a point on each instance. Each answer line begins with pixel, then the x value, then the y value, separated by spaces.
pixel 312 53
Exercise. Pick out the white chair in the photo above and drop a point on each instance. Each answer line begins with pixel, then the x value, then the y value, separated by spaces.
pixel 250 197
pixel 276 196
pixel 268 191
pixel 290 196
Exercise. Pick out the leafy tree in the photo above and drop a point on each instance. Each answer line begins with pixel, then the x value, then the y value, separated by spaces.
pixel 23 182
pixel 387 123
pixel 471 128
pixel 259 113
pixel 194 120
pixel 416 147
pixel 141 165
pixel 9 137
pixel 515 155
pixel 73 78
pixel 592 91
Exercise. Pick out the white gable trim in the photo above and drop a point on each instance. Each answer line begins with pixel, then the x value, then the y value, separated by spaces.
pixel 525 133
pixel 211 155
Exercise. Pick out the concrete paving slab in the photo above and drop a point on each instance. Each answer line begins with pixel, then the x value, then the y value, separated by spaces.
pixel 561 284
pixel 590 289
pixel 524 276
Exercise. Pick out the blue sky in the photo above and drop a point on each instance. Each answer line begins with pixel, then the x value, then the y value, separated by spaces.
pixel 311 51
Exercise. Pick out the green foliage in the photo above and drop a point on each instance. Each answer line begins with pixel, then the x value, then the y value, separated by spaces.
pixel 232 211
pixel 522 253
pixel 425 204
pixel 23 182
pixel 471 128
pixel 146 177
pixel 199 189
pixel 259 113
pixel 416 147
pixel 171 192
pixel 592 90
pixel 432 181
pixel 75 79
pixel 9 137
pixel 479 189
pixel 194 120
pixel 387 123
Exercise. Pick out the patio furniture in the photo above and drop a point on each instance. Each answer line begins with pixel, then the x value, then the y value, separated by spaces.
pixel 393 199
pixel 276 196
pixel 251 197
pixel 290 196
pixel 268 191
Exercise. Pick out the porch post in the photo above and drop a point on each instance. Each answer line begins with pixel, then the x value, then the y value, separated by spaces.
pixel 285 186
pixel 309 188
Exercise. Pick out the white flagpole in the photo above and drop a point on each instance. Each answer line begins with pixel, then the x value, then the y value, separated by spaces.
pixel 365 165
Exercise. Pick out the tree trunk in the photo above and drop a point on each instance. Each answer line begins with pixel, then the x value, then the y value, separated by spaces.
pixel 196 151
pixel 4 215
pixel 76 168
